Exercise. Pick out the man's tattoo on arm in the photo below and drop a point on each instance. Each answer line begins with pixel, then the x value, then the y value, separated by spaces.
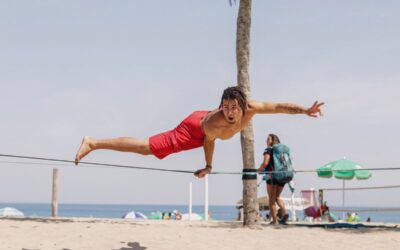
pixel 290 108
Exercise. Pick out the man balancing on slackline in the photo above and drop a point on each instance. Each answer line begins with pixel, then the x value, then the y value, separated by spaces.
pixel 200 129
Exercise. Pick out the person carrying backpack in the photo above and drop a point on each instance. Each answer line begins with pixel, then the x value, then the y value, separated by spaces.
pixel 277 159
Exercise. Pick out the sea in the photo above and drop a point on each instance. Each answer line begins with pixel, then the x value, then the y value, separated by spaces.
pixel 219 212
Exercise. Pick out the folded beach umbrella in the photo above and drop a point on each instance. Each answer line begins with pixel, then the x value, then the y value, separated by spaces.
pixel 134 215
pixel 10 212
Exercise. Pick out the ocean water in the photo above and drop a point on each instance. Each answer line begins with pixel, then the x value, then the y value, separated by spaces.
pixel 225 213
pixel 117 211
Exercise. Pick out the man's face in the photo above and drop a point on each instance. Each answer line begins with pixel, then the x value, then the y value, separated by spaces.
pixel 232 111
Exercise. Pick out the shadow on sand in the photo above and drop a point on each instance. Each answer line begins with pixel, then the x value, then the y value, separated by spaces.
pixel 132 246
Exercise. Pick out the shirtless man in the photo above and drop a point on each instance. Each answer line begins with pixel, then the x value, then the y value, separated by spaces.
pixel 200 129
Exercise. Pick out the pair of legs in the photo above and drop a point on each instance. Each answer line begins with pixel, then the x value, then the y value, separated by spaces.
pixel 274 192
pixel 123 144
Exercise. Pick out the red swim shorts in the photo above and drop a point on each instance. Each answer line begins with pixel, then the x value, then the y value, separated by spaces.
pixel 185 136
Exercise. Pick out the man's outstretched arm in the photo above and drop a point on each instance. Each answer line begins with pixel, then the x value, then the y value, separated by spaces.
pixel 208 153
pixel 285 108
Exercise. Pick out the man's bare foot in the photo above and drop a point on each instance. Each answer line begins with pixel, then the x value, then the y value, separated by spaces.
pixel 84 149
pixel 202 172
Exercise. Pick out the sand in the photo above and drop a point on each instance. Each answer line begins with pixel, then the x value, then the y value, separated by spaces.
pixel 85 233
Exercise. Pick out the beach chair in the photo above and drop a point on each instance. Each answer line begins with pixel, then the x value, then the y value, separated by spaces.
pixel 311 204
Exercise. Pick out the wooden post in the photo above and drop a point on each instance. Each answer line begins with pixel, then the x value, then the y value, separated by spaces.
pixel 54 197
pixel 246 135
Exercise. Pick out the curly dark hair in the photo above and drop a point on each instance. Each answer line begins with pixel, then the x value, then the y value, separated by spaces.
pixel 235 92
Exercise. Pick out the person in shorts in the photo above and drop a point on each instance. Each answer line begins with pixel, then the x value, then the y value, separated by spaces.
pixel 200 129
pixel 274 186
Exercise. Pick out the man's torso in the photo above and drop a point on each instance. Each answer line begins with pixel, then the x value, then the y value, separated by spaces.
pixel 215 125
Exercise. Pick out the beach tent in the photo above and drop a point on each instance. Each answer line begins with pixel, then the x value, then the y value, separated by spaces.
pixel 134 215
pixel 343 169
pixel 11 212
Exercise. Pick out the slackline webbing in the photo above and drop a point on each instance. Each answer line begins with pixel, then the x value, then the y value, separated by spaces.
pixel 359 188
pixel 163 169
pixel 94 163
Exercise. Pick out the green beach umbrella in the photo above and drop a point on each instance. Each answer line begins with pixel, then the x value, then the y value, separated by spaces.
pixel 343 169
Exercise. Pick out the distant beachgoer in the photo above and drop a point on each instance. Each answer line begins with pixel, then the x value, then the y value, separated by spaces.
pixel 274 187
pixel 267 218
pixel 240 214
pixel 368 219
pixel 177 215
pixel 324 208
pixel 260 214
pixel 325 213
pixel 200 129
pixel 356 217
pixel 352 217
pixel 348 217
pixel 209 216
pixel 165 216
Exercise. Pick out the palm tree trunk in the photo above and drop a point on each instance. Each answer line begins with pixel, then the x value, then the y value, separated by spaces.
pixel 246 136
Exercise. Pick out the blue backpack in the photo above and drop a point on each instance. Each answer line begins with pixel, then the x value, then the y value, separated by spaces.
pixel 282 163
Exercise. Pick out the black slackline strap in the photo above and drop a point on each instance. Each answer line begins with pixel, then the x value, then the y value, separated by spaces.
pixel 249 174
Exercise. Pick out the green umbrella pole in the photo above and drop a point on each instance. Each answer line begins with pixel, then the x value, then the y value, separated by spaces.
pixel 343 201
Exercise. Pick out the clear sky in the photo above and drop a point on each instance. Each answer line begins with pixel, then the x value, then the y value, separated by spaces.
pixel 137 68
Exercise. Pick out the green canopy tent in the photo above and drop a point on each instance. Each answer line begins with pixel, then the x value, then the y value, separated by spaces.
pixel 343 169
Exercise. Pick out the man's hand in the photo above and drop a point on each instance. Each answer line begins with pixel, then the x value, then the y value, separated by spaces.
pixel 315 108
pixel 202 172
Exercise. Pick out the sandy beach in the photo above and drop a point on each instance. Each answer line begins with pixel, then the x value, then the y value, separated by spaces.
pixel 67 233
